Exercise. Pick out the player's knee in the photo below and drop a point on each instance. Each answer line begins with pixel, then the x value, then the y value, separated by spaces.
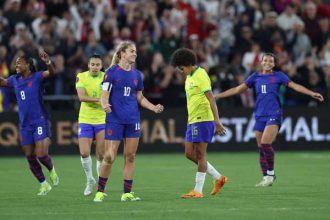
pixel 84 155
pixel 108 159
pixel 130 158
pixel 189 155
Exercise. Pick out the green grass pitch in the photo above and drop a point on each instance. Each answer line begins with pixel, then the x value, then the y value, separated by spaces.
pixel 301 191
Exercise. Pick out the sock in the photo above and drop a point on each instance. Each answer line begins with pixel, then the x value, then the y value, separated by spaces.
pixel 263 161
pixel 46 161
pixel 213 172
pixel 102 183
pixel 200 178
pixel 269 155
pixel 98 164
pixel 128 186
pixel 87 166
pixel 36 168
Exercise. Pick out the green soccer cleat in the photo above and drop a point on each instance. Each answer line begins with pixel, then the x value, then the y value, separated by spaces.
pixel 53 177
pixel 125 197
pixel 44 189
pixel 99 197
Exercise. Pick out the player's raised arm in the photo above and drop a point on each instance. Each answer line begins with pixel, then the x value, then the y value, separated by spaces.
pixel 50 68
pixel 233 91
pixel 301 89
pixel 144 102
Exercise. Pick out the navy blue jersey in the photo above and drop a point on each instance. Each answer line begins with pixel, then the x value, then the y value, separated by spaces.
pixel 124 87
pixel 266 87
pixel 29 93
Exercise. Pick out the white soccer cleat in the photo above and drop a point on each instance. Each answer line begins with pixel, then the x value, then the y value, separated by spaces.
pixel 89 187
pixel 266 181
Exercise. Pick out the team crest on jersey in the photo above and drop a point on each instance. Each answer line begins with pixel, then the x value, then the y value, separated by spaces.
pixel 272 80
pixel 191 85
pixel 29 84
pixel 135 81
pixel 110 132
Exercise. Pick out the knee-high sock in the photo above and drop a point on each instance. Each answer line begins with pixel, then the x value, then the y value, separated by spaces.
pixel 269 155
pixel 46 161
pixel 128 186
pixel 263 161
pixel 87 166
pixel 102 183
pixel 36 168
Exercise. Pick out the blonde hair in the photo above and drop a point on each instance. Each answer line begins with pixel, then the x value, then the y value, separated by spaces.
pixel 120 48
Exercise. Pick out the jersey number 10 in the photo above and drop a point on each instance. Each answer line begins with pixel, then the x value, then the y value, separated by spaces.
pixel 127 91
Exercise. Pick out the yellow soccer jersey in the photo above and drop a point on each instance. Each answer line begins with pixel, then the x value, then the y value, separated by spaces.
pixel 199 108
pixel 91 112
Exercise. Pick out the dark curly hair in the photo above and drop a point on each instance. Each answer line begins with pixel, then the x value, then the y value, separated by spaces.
pixel 31 62
pixel 183 57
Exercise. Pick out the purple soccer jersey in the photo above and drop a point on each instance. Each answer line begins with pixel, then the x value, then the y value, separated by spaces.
pixel 266 87
pixel 29 93
pixel 124 87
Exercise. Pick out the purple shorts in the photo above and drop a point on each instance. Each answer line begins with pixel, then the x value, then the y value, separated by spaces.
pixel 114 131
pixel 200 132
pixel 33 133
pixel 89 130
pixel 263 121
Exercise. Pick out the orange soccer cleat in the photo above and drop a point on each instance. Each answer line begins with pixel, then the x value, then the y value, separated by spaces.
pixel 218 184
pixel 192 195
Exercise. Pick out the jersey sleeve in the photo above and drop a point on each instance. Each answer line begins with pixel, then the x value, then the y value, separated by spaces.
pixel 140 86
pixel 107 80
pixel 250 80
pixel 80 81
pixel 205 82
pixel 39 75
pixel 11 81
pixel 284 79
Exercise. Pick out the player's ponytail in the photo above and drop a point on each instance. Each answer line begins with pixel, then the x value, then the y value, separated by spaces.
pixel 120 48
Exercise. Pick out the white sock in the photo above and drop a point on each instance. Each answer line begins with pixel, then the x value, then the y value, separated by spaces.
pixel 87 166
pixel 44 183
pixel 200 178
pixel 270 172
pixel 98 164
pixel 213 172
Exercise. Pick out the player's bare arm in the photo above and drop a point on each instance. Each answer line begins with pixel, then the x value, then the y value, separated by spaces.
pixel 219 127
pixel 233 91
pixel 3 82
pixel 105 101
pixel 50 68
pixel 144 102
pixel 83 97
pixel 301 89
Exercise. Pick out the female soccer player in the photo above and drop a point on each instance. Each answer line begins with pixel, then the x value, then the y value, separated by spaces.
pixel 203 120
pixel 34 126
pixel 268 110
pixel 122 92
pixel 91 118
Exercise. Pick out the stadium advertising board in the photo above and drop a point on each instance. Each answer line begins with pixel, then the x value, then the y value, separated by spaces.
pixel 302 129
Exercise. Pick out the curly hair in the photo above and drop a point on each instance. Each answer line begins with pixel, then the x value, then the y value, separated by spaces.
pixel 183 57
pixel 31 62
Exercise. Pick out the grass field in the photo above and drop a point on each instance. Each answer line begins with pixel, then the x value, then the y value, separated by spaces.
pixel 302 189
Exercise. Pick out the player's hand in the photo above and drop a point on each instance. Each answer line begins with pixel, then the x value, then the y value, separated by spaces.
pixel 158 108
pixel 219 129
pixel 107 108
pixel 44 56
pixel 318 96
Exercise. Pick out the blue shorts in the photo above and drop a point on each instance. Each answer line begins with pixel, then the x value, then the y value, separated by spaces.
pixel 89 130
pixel 263 121
pixel 33 133
pixel 114 131
pixel 200 132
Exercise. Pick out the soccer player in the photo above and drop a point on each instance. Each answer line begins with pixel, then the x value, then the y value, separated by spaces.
pixel 121 95
pixel 91 118
pixel 34 126
pixel 203 120
pixel 268 110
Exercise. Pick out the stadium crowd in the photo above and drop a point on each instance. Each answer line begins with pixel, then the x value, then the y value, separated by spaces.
pixel 228 36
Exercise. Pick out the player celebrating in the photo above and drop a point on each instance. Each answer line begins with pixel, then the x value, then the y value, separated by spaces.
pixel 122 92
pixel 91 118
pixel 34 126
pixel 268 110
pixel 203 120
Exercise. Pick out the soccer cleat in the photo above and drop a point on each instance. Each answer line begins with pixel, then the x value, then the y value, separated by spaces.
pixel 266 181
pixel 192 195
pixel 99 197
pixel 218 184
pixel 53 177
pixel 44 189
pixel 89 187
pixel 125 197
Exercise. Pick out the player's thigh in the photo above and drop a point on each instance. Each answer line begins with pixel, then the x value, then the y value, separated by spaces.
pixel 189 149
pixel 100 143
pixel 85 146
pixel 111 148
pixel 269 134
pixel 258 137
pixel 29 150
pixel 131 146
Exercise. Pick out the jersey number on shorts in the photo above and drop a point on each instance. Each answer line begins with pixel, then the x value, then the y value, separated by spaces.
pixel 127 91
pixel 22 95
pixel 137 126
pixel 263 89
